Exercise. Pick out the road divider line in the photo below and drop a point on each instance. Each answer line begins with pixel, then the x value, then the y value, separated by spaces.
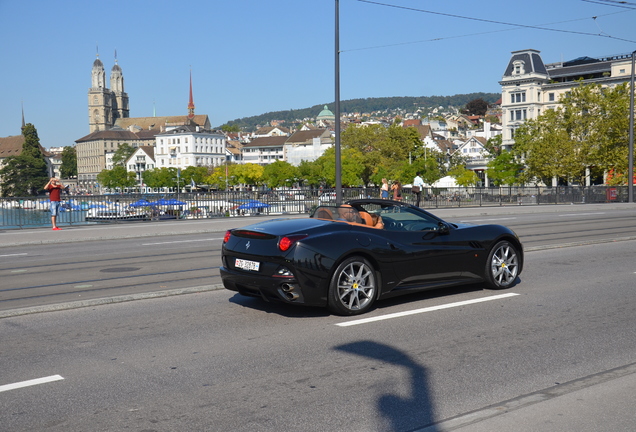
pixel 29 383
pixel 423 310
pixel 181 241
pixel 10 255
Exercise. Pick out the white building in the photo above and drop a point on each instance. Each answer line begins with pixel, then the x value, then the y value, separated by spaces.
pixel 189 145
pixel 529 86
pixel 307 146
pixel 141 160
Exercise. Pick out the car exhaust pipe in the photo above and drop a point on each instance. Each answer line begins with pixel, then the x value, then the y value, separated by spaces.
pixel 291 296
pixel 288 291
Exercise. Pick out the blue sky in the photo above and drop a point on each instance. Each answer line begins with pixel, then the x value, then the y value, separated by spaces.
pixel 249 57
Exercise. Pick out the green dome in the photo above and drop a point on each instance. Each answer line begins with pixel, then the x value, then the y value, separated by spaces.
pixel 325 114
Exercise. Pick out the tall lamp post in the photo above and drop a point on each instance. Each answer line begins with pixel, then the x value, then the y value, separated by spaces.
pixel 337 108
pixel 630 170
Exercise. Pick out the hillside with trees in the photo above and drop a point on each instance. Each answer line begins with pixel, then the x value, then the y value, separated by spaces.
pixel 367 105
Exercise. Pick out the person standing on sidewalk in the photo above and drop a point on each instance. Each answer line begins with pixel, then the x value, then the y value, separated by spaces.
pixel 54 186
pixel 418 184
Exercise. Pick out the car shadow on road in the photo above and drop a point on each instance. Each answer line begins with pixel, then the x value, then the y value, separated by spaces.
pixel 283 309
pixel 403 413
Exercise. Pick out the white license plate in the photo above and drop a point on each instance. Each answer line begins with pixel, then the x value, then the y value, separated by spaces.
pixel 247 265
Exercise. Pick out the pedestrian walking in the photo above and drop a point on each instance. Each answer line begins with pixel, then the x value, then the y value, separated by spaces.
pixel 418 184
pixel 384 189
pixel 54 186
pixel 397 190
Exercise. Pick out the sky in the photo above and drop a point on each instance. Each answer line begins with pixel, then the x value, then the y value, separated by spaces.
pixel 250 57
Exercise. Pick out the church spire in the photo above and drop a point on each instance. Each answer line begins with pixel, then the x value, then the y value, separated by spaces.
pixel 23 124
pixel 191 102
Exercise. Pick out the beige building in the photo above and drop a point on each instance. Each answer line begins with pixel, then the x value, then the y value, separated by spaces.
pixel 110 125
pixel 529 86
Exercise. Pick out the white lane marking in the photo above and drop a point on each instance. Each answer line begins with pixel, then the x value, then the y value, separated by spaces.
pixel 492 219
pixel 181 241
pixel 31 383
pixel 423 310
pixel 580 214
pixel 8 255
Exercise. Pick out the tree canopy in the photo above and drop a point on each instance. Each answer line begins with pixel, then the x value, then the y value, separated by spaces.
pixel 587 131
pixel 27 173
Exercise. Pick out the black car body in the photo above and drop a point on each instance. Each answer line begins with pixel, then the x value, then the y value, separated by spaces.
pixel 346 257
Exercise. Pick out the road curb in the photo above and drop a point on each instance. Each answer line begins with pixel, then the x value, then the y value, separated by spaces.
pixel 108 300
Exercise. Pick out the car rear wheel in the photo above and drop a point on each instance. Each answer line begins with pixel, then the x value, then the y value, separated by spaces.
pixel 353 287
pixel 502 267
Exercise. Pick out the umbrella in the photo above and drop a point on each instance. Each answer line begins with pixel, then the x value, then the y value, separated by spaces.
pixel 141 203
pixel 170 201
pixel 252 205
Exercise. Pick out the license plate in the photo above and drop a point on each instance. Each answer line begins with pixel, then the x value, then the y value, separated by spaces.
pixel 247 265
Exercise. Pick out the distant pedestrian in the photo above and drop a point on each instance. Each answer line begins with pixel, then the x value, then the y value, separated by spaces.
pixel 397 190
pixel 54 186
pixel 384 190
pixel 418 184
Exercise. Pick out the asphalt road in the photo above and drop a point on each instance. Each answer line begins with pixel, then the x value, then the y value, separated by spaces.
pixel 51 273
pixel 556 352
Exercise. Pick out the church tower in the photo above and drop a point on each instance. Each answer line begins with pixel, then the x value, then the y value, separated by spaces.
pixel 100 111
pixel 120 97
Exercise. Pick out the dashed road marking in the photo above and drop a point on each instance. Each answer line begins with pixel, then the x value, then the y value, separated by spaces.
pixel 29 383
pixel 423 310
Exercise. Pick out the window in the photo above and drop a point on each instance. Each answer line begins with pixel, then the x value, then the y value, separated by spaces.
pixel 551 97
pixel 518 67
pixel 518 97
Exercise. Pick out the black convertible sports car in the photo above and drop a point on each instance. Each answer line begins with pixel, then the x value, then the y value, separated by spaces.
pixel 346 257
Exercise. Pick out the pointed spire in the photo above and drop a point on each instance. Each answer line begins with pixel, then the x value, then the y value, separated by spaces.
pixel 115 56
pixel 23 124
pixel 191 102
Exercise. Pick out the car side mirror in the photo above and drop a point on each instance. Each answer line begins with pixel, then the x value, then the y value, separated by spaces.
pixel 442 228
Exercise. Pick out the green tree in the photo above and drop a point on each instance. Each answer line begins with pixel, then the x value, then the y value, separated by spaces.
pixel 197 174
pixel 247 174
pixel 121 155
pixel 27 173
pixel 588 129
pixel 547 149
pixel 280 173
pixel 463 176
pixel 504 169
pixel 68 169
pixel 117 177
pixel 160 177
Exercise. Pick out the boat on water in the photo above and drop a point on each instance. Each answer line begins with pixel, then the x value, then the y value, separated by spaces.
pixel 106 214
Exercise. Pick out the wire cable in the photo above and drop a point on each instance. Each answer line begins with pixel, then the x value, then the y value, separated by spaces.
pixel 491 22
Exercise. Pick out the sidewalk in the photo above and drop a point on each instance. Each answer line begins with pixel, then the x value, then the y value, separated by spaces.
pixel 76 233
pixel 601 402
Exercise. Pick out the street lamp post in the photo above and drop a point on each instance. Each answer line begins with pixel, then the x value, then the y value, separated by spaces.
pixel 630 170
pixel 337 107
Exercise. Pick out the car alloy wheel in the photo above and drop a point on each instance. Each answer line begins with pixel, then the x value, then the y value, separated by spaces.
pixel 353 287
pixel 503 265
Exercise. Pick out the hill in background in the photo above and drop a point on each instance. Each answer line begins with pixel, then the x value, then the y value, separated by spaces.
pixel 369 105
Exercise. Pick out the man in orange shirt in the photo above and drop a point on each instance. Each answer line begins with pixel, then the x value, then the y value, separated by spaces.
pixel 54 186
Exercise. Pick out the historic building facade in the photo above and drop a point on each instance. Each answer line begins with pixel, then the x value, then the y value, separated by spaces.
pixel 529 86
pixel 111 126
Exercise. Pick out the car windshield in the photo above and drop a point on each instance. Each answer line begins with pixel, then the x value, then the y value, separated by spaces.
pixel 389 217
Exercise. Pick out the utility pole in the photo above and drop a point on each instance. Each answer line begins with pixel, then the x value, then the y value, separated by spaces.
pixel 337 108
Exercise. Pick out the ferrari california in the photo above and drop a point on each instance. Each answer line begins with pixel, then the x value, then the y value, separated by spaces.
pixel 347 257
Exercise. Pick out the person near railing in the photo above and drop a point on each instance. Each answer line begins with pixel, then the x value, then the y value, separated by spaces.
pixel 54 187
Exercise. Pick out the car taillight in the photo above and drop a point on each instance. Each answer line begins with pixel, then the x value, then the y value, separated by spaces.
pixel 288 241
pixel 226 238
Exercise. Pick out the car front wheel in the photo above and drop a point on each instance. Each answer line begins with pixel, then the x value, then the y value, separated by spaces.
pixel 353 287
pixel 502 267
